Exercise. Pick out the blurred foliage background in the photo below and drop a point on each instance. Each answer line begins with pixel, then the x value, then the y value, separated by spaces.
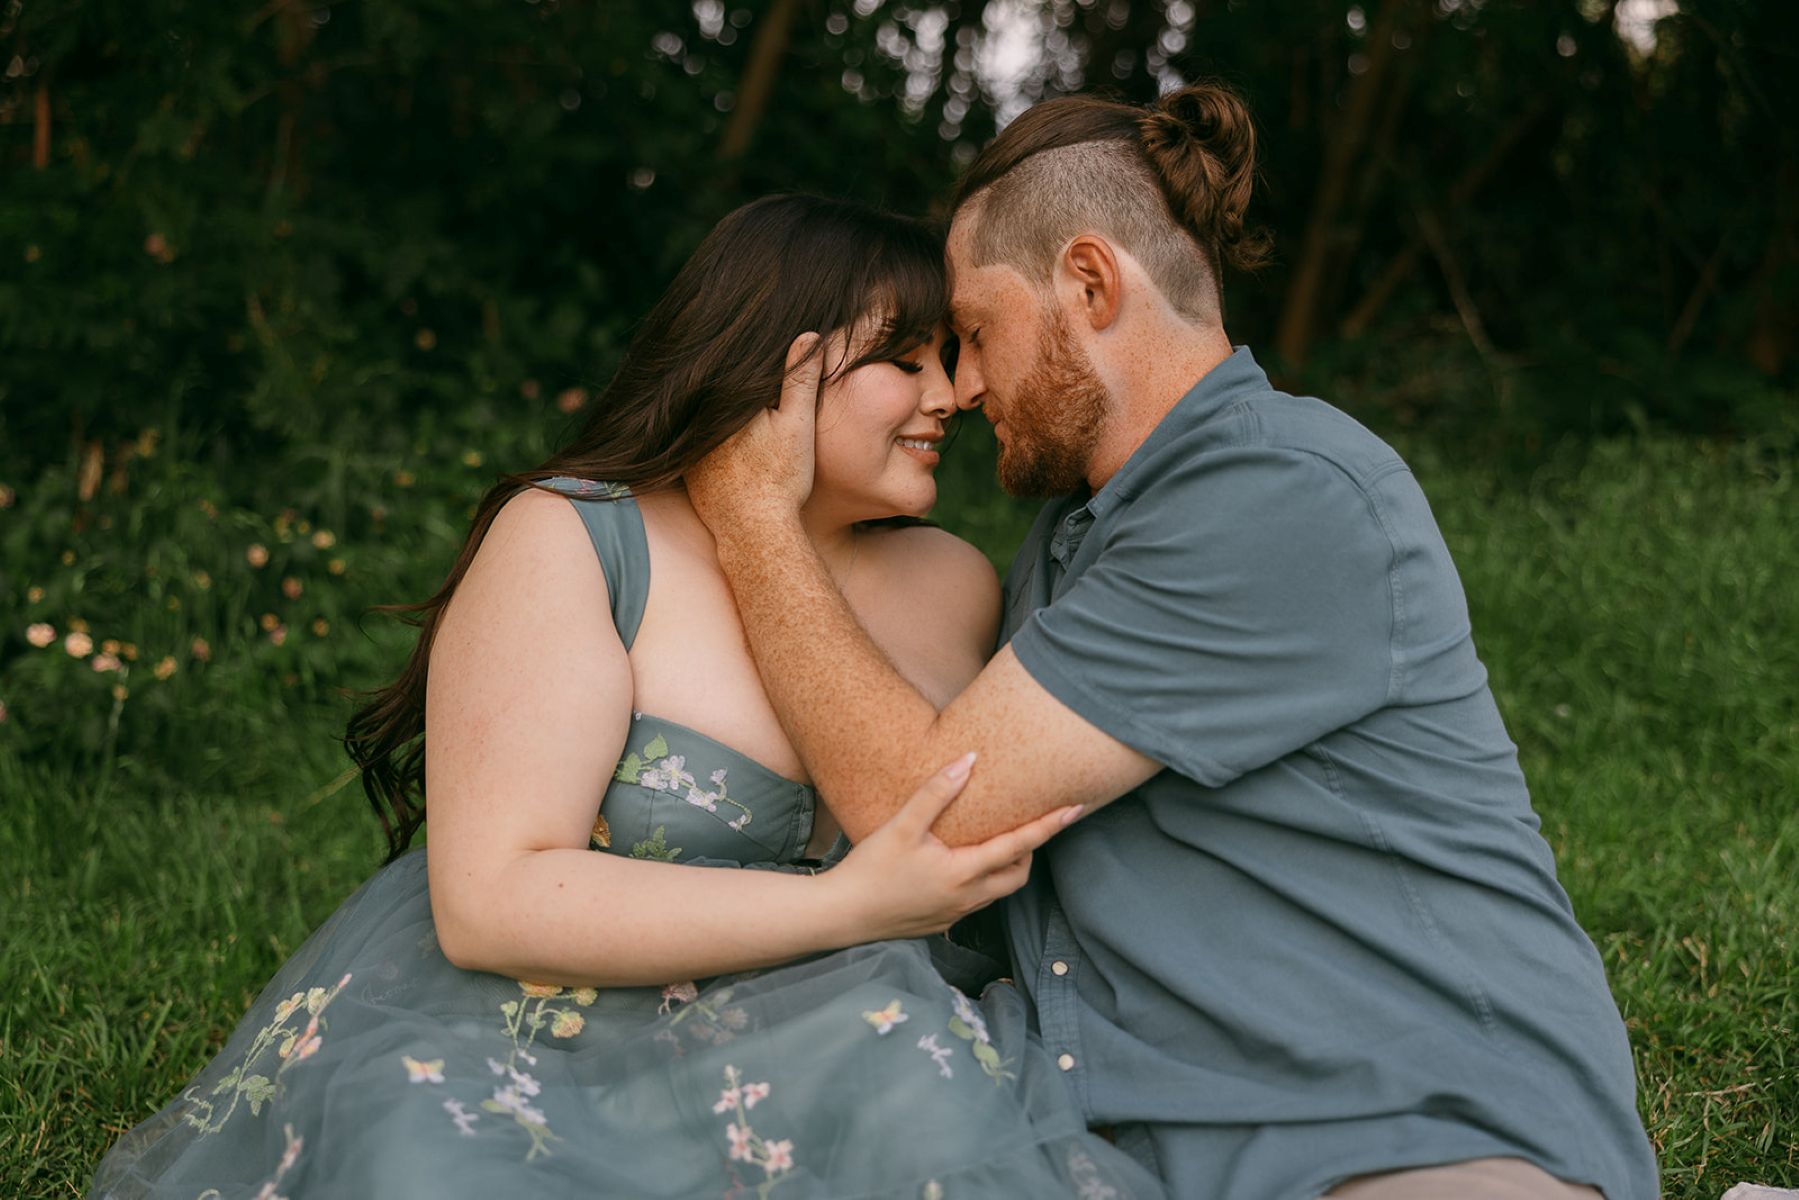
pixel 283 284
pixel 317 261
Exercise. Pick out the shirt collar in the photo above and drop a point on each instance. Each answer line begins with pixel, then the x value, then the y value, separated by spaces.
pixel 1225 383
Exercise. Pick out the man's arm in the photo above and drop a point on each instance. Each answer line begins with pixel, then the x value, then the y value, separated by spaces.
pixel 869 737
pixel 866 734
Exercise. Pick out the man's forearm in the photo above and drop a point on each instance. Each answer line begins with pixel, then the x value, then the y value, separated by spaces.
pixel 865 733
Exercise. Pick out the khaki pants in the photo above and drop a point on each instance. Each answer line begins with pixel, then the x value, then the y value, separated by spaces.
pixel 1476 1179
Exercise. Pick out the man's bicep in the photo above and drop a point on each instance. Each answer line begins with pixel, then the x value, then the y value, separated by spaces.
pixel 1035 754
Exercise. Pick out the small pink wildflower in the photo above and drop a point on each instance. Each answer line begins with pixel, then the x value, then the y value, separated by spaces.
pixel 78 644
pixel 291 588
pixel 201 651
pixel 165 667
pixel 324 539
pixel 257 555
pixel 278 634
pixel 571 400
pixel 40 634
pixel 105 661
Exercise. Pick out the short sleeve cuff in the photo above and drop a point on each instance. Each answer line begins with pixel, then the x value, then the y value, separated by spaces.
pixel 1041 661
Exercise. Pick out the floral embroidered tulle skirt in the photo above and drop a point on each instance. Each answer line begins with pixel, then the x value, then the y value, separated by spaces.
pixel 370 1066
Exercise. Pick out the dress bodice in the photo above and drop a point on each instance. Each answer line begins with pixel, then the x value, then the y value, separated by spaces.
pixel 678 794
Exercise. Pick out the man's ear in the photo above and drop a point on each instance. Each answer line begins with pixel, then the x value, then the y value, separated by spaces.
pixel 1093 282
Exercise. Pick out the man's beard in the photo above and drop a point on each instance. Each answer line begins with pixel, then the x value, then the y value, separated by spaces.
pixel 1054 419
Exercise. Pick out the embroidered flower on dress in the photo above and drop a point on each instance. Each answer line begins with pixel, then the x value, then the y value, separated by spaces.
pixel 567 1024
pixel 970 1015
pixel 940 1054
pixel 727 1100
pixel 740 1142
pixel 464 1119
pixel 678 993
pixel 753 1092
pixel 780 1157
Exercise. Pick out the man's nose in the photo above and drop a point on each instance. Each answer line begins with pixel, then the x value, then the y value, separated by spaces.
pixel 970 387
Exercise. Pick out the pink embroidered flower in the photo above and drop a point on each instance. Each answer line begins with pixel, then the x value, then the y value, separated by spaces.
pixel 586 996
pixel 780 1157
pixel 540 989
pixel 308 1047
pixel 678 993
pixel 753 1092
pixel 740 1142
pixel 727 1100
pixel 292 1154
pixel 567 1024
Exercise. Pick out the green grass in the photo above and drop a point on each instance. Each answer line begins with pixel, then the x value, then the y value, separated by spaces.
pixel 1635 604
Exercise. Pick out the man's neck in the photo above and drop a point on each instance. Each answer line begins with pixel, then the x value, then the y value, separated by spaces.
pixel 1158 373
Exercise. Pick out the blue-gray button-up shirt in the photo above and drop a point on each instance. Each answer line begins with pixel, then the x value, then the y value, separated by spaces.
pixel 1327 939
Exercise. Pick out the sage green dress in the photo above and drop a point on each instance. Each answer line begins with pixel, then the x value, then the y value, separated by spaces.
pixel 372 1067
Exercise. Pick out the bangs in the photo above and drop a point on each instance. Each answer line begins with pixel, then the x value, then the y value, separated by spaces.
pixel 907 296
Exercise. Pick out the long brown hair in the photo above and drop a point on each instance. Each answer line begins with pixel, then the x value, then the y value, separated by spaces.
pixel 709 354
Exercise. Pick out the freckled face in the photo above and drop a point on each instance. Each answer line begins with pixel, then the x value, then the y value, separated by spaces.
pixel 879 428
pixel 1018 360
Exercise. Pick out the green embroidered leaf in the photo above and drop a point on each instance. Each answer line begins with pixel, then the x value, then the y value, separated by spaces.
pixel 960 1028
pixel 658 748
pixel 629 768
pixel 228 1082
pixel 287 1043
pixel 256 1089
pixel 986 1055
pixel 656 847
pixel 494 1106
pixel 510 1007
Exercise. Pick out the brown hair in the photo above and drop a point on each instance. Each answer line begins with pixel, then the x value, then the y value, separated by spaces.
pixel 1162 181
pixel 709 355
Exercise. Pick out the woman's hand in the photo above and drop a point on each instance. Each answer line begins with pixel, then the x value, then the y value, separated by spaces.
pixel 765 469
pixel 903 881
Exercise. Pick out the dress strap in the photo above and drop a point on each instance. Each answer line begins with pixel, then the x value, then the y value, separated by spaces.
pixel 615 526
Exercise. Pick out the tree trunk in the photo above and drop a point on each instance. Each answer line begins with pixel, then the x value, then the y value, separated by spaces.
pixel 766 53
pixel 1343 146
pixel 1463 190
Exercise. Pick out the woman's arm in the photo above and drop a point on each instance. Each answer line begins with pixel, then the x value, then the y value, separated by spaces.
pixel 528 705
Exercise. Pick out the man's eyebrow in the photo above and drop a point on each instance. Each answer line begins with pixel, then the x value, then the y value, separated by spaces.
pixel 958 320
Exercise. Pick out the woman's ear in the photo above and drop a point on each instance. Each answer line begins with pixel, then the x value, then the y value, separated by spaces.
pixel 1090 268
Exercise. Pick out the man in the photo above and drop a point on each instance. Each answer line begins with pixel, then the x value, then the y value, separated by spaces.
pixel 1308 939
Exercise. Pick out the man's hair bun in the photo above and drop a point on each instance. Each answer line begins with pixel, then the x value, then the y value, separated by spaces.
pixel 1202 145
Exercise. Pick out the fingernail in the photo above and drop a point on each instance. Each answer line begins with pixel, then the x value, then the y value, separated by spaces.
pixel 961 767
pixel 1068 817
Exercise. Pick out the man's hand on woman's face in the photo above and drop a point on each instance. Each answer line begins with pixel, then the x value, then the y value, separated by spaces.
pixel 764 471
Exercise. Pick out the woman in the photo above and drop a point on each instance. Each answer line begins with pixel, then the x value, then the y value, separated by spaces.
pixel 584 654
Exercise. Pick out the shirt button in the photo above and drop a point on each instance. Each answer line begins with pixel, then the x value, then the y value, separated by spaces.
pixel 1059 967
pixel 1065 1061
